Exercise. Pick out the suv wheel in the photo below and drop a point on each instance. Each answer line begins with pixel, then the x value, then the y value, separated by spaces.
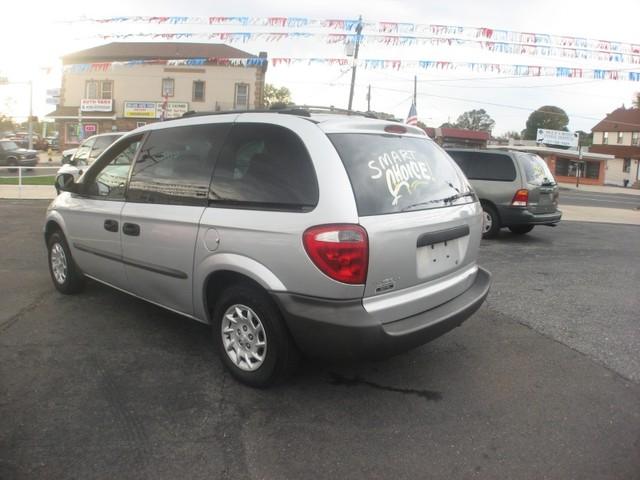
pixel 66 276
pixel 490 221
pixel 251 338
pixel 521 229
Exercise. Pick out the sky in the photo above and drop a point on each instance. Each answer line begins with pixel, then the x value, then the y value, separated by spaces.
pixel 33 54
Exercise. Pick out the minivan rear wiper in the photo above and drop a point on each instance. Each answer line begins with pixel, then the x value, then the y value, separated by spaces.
pixel 445 200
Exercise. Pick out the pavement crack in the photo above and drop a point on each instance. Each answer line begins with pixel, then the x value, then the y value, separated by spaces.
pixel 23 311
pixel 429 395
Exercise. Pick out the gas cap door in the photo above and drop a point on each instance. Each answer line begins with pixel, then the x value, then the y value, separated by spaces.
pixel 211 239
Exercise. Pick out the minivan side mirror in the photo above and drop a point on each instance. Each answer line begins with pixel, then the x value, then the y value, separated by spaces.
pixel 65 183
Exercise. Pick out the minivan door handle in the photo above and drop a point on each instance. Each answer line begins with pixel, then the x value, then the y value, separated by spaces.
pixel 131 229
pixel 111 225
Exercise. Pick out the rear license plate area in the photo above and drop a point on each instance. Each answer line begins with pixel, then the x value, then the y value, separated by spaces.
pixel 437 258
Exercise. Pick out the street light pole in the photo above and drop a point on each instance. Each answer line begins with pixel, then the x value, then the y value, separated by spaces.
pixel 355 62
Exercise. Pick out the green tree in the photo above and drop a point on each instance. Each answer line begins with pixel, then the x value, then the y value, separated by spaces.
pixel 511 134
pixel 549 117
pixel 6 124
pixel 586 139
pixel 276 97
pixel 478 120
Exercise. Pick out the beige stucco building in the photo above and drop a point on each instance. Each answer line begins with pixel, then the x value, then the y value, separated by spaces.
pixel 121 86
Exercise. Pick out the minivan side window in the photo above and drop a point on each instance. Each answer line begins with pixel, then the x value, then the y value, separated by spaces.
pixel 485 165
pixel 175 165
pixel 108 182
pixel 264 166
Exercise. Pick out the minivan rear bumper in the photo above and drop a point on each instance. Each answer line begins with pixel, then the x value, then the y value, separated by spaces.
pixel 334 329
pixel 510 216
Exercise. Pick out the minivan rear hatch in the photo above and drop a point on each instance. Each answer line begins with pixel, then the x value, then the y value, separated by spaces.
pixel 543 189
pixel 420 216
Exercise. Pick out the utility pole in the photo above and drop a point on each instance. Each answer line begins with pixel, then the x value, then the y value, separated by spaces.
pixel 369 99
pixel 355 61
pixel 30 114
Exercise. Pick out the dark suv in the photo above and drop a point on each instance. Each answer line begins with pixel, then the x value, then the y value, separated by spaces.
pixel 11 154
pixel 516 189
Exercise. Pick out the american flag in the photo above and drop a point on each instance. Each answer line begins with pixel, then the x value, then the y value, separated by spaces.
pixel 412 118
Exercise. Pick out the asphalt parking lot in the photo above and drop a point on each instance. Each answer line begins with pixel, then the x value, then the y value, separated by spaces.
pixel 543 382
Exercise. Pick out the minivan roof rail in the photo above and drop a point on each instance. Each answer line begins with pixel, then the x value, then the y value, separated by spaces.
pixel 300 110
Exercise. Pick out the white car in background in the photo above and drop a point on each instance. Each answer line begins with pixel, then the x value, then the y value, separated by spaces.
pixel 83 156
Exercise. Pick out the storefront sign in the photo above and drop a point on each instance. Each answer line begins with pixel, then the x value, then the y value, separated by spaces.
pixel 174 109
pixel 140 110
pixel 96 105
pixel 154 109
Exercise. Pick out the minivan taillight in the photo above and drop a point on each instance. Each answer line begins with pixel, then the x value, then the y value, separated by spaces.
pixel 339 251
pixel 521 198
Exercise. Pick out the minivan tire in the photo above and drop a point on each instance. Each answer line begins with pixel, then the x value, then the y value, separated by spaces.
pixel 66 276
pixel 280 353
pixel 490 216
pixel 521 229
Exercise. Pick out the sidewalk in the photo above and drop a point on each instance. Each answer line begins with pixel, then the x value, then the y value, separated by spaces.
pixel 600 189
pixel 31 192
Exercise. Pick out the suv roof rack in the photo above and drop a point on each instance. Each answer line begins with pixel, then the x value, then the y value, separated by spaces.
pixel 300 110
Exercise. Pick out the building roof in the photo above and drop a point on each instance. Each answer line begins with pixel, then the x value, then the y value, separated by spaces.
pixel 458 133
pixel 123 51
pixel 621 119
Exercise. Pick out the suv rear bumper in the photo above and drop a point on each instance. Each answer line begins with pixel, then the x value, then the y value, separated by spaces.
pixel 510 216
pixel 334 329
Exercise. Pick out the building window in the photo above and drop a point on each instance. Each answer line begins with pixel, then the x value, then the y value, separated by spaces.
pixel 241 98
pixel 198 91
pixel 140 124
pixel 605 138
pixel 619 139
pixel 168 87
pixel 634 139
pixel 96 89
pixel 593 170
pixel 626 165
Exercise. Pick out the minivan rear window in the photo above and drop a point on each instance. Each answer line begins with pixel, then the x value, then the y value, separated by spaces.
pixel 535 169
pixel 497 167
pixel 395 173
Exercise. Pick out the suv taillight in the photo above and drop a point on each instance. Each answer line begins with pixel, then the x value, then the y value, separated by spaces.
pixel 339 251
pixel 521 198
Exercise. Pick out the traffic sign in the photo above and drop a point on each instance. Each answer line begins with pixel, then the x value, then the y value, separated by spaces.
pixel 557 137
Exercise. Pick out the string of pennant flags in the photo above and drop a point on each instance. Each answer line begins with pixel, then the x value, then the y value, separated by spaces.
pixel 350 25
pixel 391 40
pixel 374 64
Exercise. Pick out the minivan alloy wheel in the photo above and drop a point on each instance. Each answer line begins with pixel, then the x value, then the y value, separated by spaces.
pixel 487 221
pixel 58 263
pixel 243 337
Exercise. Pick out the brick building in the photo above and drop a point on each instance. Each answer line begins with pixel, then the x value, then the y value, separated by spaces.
pixel 156 80
pixel 619 135
pixel 564 163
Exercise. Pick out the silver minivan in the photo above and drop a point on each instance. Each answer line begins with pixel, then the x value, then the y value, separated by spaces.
pixel 337 236
pixel 516 189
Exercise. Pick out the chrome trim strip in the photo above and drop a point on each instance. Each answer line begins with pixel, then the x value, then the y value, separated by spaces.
pixel 170 272
pixel 146 299
pixel 412 294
